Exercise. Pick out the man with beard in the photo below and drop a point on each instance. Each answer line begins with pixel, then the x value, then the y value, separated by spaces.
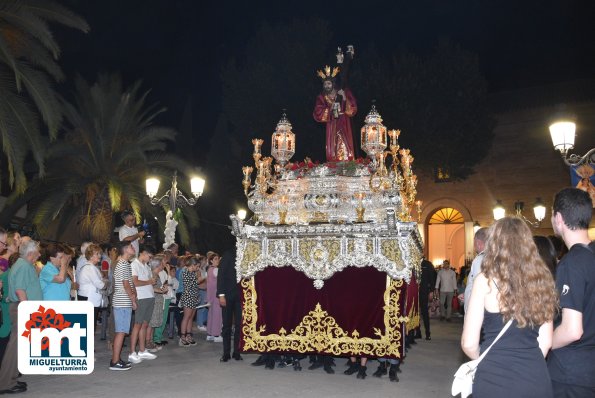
pixel 335 108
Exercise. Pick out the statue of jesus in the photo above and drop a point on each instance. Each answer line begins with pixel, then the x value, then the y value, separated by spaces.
pixel 335 107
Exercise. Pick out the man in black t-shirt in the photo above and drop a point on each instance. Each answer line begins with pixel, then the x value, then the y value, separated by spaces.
pixel 572 360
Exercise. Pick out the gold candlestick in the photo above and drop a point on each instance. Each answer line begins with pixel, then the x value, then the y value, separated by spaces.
pixel 283 200
pixel 257 144
pixel 246 182
pixel 394 136
pixel 360 210
pixel 418 204
pixel 282 217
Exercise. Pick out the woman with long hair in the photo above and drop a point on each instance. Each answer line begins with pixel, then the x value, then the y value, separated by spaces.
pixel 515 284
pixel 215 316
pixel 189 299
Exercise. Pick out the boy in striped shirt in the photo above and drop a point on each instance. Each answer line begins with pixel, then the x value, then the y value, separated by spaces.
pixel 123 302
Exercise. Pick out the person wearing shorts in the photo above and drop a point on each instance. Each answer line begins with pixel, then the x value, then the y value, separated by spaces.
pixel 122 319
pixel 143 280
pixel 124 301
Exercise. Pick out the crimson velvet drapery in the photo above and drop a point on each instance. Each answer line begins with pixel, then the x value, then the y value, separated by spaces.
pixel 354 297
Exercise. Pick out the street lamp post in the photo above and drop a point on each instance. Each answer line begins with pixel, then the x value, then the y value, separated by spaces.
pixel 538 212
pixel 174 197
pixel 563 133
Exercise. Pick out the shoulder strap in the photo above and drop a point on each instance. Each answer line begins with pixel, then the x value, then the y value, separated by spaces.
pixel 504 329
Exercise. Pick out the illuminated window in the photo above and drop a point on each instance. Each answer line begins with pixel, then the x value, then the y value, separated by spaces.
pixel 447 215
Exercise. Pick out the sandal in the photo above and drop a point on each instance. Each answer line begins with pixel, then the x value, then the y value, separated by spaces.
pixel 189 339
pixel 183 342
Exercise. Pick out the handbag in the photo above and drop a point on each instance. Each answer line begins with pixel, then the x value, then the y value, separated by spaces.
pixel 463 382
pixel 455 303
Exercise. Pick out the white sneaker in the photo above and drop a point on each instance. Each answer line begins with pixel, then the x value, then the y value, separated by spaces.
pixel 135 358
pixel 202 328
pixel 210 338
pixel 218 339
pixel 146 355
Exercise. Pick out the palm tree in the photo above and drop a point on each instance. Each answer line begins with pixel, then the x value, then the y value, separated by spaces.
pixel 100 163
pixel 28 54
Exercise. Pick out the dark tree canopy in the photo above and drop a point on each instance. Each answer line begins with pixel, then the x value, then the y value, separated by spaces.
pixel 278 71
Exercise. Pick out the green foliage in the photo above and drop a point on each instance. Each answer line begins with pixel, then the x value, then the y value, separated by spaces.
pixel 100 163
pixel 28 69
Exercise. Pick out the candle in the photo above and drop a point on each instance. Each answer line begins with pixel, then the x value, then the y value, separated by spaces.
pixel 394 135
pixel 257 144
pixel 372 135
pixel 247 170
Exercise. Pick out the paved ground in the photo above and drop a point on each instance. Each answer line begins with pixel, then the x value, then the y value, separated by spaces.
pixel 196 372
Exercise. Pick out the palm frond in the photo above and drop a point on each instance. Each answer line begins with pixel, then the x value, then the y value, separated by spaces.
pixel 49 208
pixel 7 57
pixel 115 194
pixel 37 55
pixel 40 89
pixel 31 24
pixel 28 51
pixel 54 12
pixel 19 129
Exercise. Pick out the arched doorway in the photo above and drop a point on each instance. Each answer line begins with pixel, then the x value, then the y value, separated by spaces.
pixel 446 237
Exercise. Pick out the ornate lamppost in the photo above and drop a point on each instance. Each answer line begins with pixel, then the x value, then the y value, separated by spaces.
pixel 174 197
pixel 538 211
pixel 563 133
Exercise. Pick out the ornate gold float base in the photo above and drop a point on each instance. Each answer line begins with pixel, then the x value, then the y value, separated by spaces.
pixel 319 332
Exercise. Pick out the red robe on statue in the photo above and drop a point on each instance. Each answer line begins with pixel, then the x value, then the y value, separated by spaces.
pixel 339 139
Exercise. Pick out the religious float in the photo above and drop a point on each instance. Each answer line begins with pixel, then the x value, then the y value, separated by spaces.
pixel 330 260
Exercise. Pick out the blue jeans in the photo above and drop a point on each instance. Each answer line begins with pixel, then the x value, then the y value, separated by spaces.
pixel 391 361
pixel 202 314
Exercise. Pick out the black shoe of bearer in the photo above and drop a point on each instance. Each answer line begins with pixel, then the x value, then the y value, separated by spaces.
pixel 361 373
pixel 392 373
pixel 260 361
pixel 381 371
pixel 353 368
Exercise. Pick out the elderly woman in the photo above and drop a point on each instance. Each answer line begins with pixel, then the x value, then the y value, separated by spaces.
pixel 89 278
pixel 55 284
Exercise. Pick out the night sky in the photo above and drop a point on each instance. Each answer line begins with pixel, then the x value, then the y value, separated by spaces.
pixel 177 47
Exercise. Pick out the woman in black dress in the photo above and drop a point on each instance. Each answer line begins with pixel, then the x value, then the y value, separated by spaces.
pixel 514 284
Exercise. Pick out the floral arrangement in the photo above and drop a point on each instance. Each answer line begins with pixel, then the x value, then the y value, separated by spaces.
pixel 344 168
